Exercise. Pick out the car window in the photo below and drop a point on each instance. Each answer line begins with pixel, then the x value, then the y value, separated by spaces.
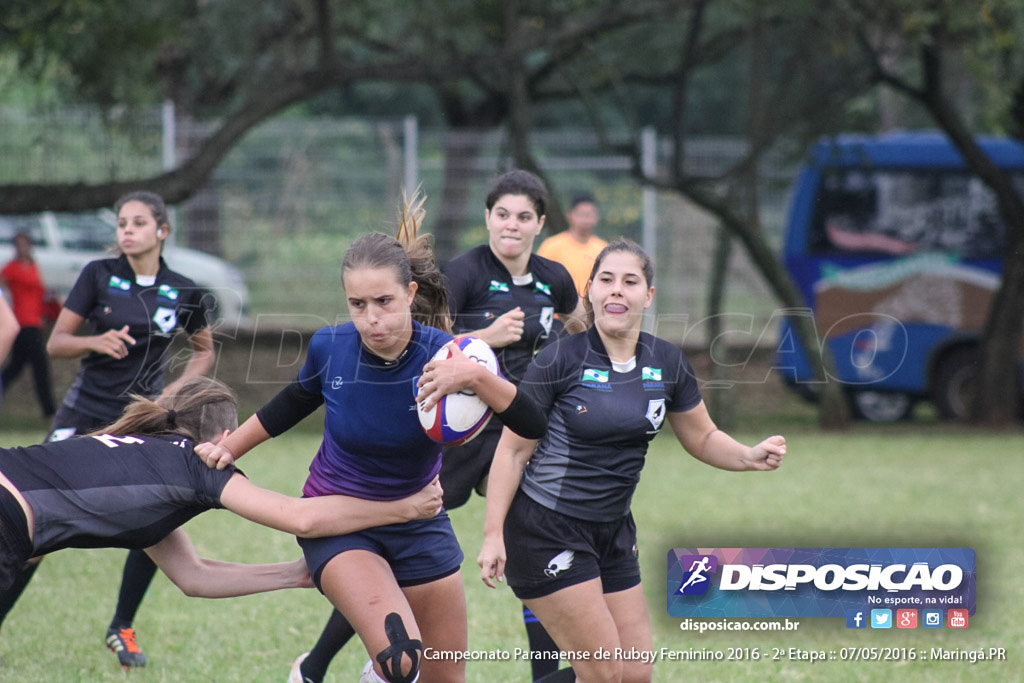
pixel 28 224
pixel 85 231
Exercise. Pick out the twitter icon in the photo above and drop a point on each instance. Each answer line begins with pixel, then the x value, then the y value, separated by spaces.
pixel 881 618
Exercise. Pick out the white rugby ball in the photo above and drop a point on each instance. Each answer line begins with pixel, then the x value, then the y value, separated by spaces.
pixel 458 417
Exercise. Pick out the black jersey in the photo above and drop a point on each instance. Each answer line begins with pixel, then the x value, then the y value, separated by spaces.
pixel 111 491
pixel 108 297
pixel 480 289
pixel 601 421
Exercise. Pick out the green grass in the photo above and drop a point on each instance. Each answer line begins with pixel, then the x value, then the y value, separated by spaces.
pixel 905 485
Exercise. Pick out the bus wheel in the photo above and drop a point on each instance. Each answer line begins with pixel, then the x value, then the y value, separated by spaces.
pixel 954 383
pixel 879 406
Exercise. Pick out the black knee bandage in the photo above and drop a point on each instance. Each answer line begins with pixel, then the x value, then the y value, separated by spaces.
pixel 390 660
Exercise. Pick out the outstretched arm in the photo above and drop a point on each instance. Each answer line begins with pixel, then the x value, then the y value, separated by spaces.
pixel 249 434
pixel 198 577
pixel 325 515
pixel 510 457
pixel 706 442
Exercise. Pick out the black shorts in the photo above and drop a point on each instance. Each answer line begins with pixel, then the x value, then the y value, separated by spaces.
pixel 68 422
pixel 15 544
pixel 464 467
pixel 547 551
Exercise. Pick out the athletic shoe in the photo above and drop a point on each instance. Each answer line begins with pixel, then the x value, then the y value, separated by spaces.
pixel 295 675
pixel 122 643
pixel 369 675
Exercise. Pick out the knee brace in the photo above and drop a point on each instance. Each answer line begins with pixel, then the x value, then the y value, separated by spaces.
pixel 390 659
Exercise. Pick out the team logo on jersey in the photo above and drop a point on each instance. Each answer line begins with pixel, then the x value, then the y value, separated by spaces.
pixel 498 286
pixel 337 382
pixel 547 318
pixel 119 285
pixel 592 375
pixel 650 374
pixel 165 319
pixel 559 563
pixel 541 287
pixel 580 409
pixel 656 412
pixel 167 292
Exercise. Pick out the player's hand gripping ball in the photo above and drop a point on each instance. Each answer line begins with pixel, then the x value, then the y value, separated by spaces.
pixel 458 417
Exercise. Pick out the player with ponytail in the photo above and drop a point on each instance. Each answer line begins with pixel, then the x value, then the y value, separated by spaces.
pixel 397 585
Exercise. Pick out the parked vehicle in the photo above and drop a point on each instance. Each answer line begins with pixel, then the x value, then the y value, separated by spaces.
pixel 65 242
pixel 898 252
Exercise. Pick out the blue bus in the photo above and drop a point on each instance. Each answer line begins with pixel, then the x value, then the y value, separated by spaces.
pixel 897 250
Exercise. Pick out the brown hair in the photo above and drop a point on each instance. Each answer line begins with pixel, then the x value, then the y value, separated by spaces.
pixel 201 409
pixel 412 257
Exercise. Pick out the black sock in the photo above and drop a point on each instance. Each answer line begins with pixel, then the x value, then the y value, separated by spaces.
pixel 336 633
pixel 138 573
pixel 540 641
pixel 11 595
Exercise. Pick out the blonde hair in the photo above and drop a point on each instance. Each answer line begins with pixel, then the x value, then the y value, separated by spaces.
pixel 201 409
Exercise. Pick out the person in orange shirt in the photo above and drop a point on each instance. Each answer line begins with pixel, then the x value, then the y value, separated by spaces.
pixel 28 299
pixel 577 247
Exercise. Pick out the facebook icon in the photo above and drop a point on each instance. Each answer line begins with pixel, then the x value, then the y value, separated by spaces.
pixel 855 618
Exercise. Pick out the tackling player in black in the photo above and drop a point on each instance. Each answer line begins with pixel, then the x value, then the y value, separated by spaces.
pixel 134 483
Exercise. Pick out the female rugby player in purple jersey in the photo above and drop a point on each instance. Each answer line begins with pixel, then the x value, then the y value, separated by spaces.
pixel 134 483
pixel 558 521
pixel 398 585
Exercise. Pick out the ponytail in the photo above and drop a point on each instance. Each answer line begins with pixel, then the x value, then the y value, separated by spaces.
pixel 412 257
pixel 201 409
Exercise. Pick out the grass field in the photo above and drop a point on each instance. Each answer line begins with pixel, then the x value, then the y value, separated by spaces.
pixel 919 484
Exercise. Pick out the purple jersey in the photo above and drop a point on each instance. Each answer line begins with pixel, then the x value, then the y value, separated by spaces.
pixel 374 446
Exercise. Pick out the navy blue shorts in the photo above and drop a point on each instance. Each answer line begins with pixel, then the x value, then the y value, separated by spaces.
pixel 547 551
pixel 418 552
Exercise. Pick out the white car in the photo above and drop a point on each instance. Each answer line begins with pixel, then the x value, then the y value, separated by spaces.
pixel 64 242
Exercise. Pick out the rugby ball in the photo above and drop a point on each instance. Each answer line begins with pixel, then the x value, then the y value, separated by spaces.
pixel 457 418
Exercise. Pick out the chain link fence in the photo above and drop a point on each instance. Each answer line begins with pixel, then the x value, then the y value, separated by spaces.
pixel 286 202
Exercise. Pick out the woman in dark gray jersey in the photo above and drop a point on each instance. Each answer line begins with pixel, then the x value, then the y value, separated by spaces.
pixel 558 521
pixel 133 484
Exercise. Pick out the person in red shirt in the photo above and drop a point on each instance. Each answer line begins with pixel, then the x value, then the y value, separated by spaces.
pixel 28 299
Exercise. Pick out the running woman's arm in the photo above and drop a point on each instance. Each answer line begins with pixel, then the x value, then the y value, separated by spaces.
pixel 510 457
pixel 325 515
pixel 703 440
pixel 199 577
pixel 289 407
pixel 65 343
pixel 516 410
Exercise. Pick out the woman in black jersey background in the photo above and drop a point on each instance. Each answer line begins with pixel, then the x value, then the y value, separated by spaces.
pixel 132 306
pixel 124 487
pixel 558 523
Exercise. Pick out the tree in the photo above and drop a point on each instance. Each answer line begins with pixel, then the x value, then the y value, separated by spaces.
pixel 910 45
pixel 801 94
